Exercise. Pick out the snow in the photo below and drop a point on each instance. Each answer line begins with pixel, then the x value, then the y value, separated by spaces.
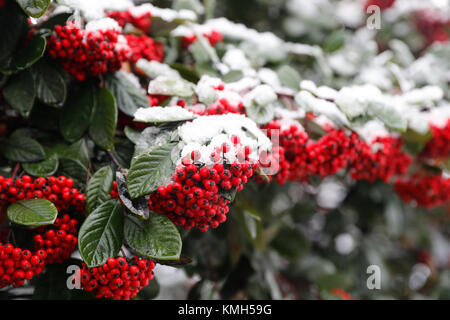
pixel 425 95
pixel 207 133
pixel 154 69
pixel 103 25
pixel 93 10
pixel 262 95
pixel 236 59
pixel 162 114
pixel 205 89
pixel 167 15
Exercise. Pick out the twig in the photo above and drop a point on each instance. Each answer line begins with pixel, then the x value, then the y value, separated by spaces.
pixel 16 169
pixel 116 162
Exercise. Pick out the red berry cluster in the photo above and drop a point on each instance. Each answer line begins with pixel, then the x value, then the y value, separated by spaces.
pixel 223 106
pixel 156 99
pixel 144 47
pixel 289 144
pixel 87 53
pixel 118 278
pixel 439 146
pixel 432 26
pixel 17 265
pixel 213 37
pixel 342 294
pixel 382 4
pixel 142 22
pixel 58 190
pixel 426 191
pixel 194 198
pixel 383 163
pixel 57 240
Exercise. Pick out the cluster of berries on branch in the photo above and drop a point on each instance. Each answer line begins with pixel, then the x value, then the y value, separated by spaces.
pixel 17 265
pixel 85 53
pixel 212 36
pixel 439 146
pixel 118 278
pixel 52 243
pixel 57 240
pixel 142 21
pixel 144 47
pixel 426 191
pixel 58 190
pixel 195 197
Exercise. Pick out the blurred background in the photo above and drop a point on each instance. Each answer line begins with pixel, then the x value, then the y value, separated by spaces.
pixel 316 241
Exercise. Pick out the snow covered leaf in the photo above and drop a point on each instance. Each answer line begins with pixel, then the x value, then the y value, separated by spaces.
pixel 163 114
pixel 34 8
pixel 289 77
pixel 389 115
pixel 170 86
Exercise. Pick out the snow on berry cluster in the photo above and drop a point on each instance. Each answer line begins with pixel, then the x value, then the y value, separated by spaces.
pixel 218 155
pixel 17 265
pixel 118 278
pixel 58 190
pixel 93 51
pixel 425 191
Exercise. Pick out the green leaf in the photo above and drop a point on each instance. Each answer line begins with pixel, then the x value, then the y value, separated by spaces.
pixel 335 41
pixel 260 114
pixel 290 243
pixel 99 187
pixel 32 212
pixel 103 126
pixel 389 115
pixel 156 238
pixel 289 77
pixel 50 85
pixel 187 73
pixel 131 134
pixel 233 76
pixel 128 96
pixel 77 112
pixel 44 168
pixel 150 170
pixel 32 52
pixel 10 15
pixel 20 148
pixel 34 8
pixel 101 235
pixel 20 92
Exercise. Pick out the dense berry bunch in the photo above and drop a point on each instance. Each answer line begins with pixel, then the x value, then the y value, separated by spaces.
pixel 224 106
pixel 195 197
pixel 290 145
pixel 58 190
pixel 439 146
pixel 331 153
pixel 57 240
pixel 213 37
pixel 87 53
pixel 382 4
pixel 17 265
pixel 432 25
pixel 426 191
pixel 144 47
pixel 143 22
pixel 118 278
pixel 382 159
pixel 156 99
